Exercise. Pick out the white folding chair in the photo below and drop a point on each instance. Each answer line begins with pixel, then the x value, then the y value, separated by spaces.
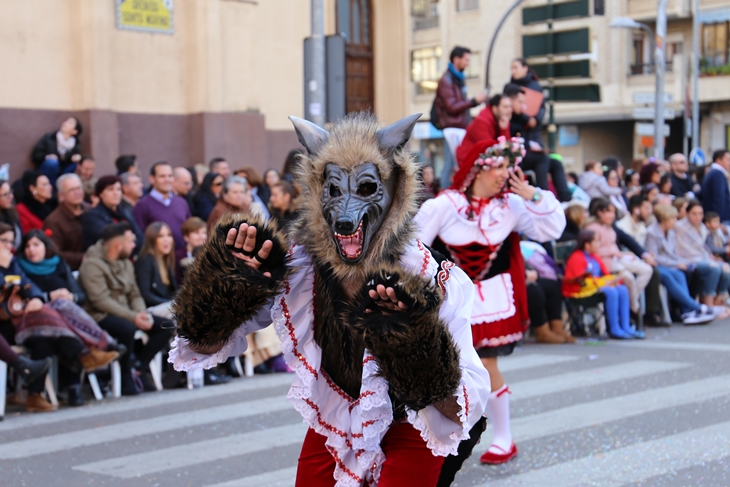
pixel 453 138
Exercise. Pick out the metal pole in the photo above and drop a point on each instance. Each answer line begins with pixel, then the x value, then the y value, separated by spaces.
pixel 695 76
pixel 551 128
pixel 659 66
pixel 317 105
pixel 494 38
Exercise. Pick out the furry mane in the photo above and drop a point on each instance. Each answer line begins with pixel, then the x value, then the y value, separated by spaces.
pixel 353 141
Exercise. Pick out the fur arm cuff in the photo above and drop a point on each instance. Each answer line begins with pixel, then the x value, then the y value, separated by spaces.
pixel 413 348
pixel 220 291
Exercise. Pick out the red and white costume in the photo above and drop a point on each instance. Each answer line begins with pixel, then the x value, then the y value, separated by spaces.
pixel 495 317
pixel 354 429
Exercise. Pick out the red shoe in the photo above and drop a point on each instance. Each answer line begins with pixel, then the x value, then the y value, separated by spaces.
pixel 498 458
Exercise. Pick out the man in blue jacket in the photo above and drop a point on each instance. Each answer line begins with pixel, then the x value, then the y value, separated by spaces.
pixel 715 189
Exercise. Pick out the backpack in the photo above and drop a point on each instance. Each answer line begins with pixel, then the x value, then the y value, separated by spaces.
pixel 435 114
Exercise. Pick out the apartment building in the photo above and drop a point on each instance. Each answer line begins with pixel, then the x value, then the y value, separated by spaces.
pixel 601 79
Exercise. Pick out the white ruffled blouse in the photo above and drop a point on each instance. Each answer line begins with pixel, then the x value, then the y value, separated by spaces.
pixel 355 428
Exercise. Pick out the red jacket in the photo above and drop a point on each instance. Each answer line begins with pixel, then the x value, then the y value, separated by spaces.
pixel 575 269
pixel 28 221
pixel 451 105
pixel 483 127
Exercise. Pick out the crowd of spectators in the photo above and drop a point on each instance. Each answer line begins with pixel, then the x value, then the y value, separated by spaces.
pixel 94 261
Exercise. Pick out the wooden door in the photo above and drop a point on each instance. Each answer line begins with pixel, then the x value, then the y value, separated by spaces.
pixel 357 17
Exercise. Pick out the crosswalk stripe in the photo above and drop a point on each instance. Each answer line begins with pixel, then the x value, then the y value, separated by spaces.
pixel 632 464
pixel 658 345
pixel 586 378
pixel 277 478
pixel 130 429
pixel 110 406
pixel 190 454
pixel 533 360
pixel 617 408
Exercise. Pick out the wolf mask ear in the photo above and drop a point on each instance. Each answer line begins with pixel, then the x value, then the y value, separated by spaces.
pixel 311 136
pixel 395 136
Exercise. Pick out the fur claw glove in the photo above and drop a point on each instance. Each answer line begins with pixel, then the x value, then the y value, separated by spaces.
pixel 413 348
pixel 221 292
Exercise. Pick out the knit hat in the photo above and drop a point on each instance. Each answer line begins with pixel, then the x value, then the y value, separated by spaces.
pixel 104 182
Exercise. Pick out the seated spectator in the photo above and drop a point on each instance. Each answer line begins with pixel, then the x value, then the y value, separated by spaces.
pixel 56 150
pixel 651 173
pixel 572 177
pixel 683 185
pixel 639 210
pixel 195 233
pixel 182 185
pixel 126 163
pixel 115 302
pixel 271 177
pixel 162 205
pixel 291 162
pixel 631 183
pixel 85 170
pixel 661 241
pixel 665 186
pixel 282 204
pixel 595 184
pixel 715 189
pixel 28 370
pixel 155 270
pixel 220 166
pixel 575 217
pixel 132 190
pixel 492 122
pixel 37 202
pixel 615 164
pixel 64 223
pixel 692 246
pixel 651 191
pixel 108 211
pixel 49 329
pixel 207 196
pixel 235 198
pixel 718 241
pixel 634 272
pixel 544 301
pixel 8 213
pixel 681 205
pixel 617 200
pixel 252 176
pixel 431 185
pixel 586 274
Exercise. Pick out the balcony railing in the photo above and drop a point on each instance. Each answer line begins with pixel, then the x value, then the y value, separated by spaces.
pixel 648 68
pixel 425 23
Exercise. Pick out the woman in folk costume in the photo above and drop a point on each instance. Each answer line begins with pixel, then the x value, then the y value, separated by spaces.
pixel 375 326
pixel 477 220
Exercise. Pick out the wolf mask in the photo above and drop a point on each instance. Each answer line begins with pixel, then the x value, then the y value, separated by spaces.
pixel 359 192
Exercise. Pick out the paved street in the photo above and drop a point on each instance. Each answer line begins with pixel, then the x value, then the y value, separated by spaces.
pixel 651 413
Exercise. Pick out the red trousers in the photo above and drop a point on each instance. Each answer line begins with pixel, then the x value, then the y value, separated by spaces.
pixel 408 461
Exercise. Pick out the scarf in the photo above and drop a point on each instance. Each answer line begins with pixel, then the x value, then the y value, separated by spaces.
pixel 64 145
pixel 42 268
pixel 456 73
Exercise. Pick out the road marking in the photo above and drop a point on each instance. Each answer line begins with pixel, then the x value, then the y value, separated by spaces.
pixel 533 360
pixel 190 454
pixel 111 406
pixel 284 477
pixel 130 429
pixel 593 377
pixel 659 345
pixel 632 464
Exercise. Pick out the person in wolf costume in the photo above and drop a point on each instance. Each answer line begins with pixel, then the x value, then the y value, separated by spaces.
pixel 477 221
pixel 374 324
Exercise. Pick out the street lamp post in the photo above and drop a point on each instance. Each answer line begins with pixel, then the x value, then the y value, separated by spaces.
pixel 658 62
pixel 695 75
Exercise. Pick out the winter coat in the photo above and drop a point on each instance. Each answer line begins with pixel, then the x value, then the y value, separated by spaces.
pixel 149 281
pixel 100 216
pixel 111 287
pixel 596 186
pixel 47 145
pixel 715 193
pixel 483 127
pixel 62 277
pixel 452 105
pixel 67 233
pixel 575 269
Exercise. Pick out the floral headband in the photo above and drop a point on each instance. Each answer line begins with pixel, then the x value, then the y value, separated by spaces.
pixel 511 151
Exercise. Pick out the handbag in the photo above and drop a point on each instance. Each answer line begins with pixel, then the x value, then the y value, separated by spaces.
pixel 13 299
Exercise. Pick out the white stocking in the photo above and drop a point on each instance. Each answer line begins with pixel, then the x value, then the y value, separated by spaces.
pixel 498 416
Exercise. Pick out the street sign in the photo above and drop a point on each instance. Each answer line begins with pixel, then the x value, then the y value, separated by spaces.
pixel 646 98
pixel 648 129
pixel 647 113
pixel 697 157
